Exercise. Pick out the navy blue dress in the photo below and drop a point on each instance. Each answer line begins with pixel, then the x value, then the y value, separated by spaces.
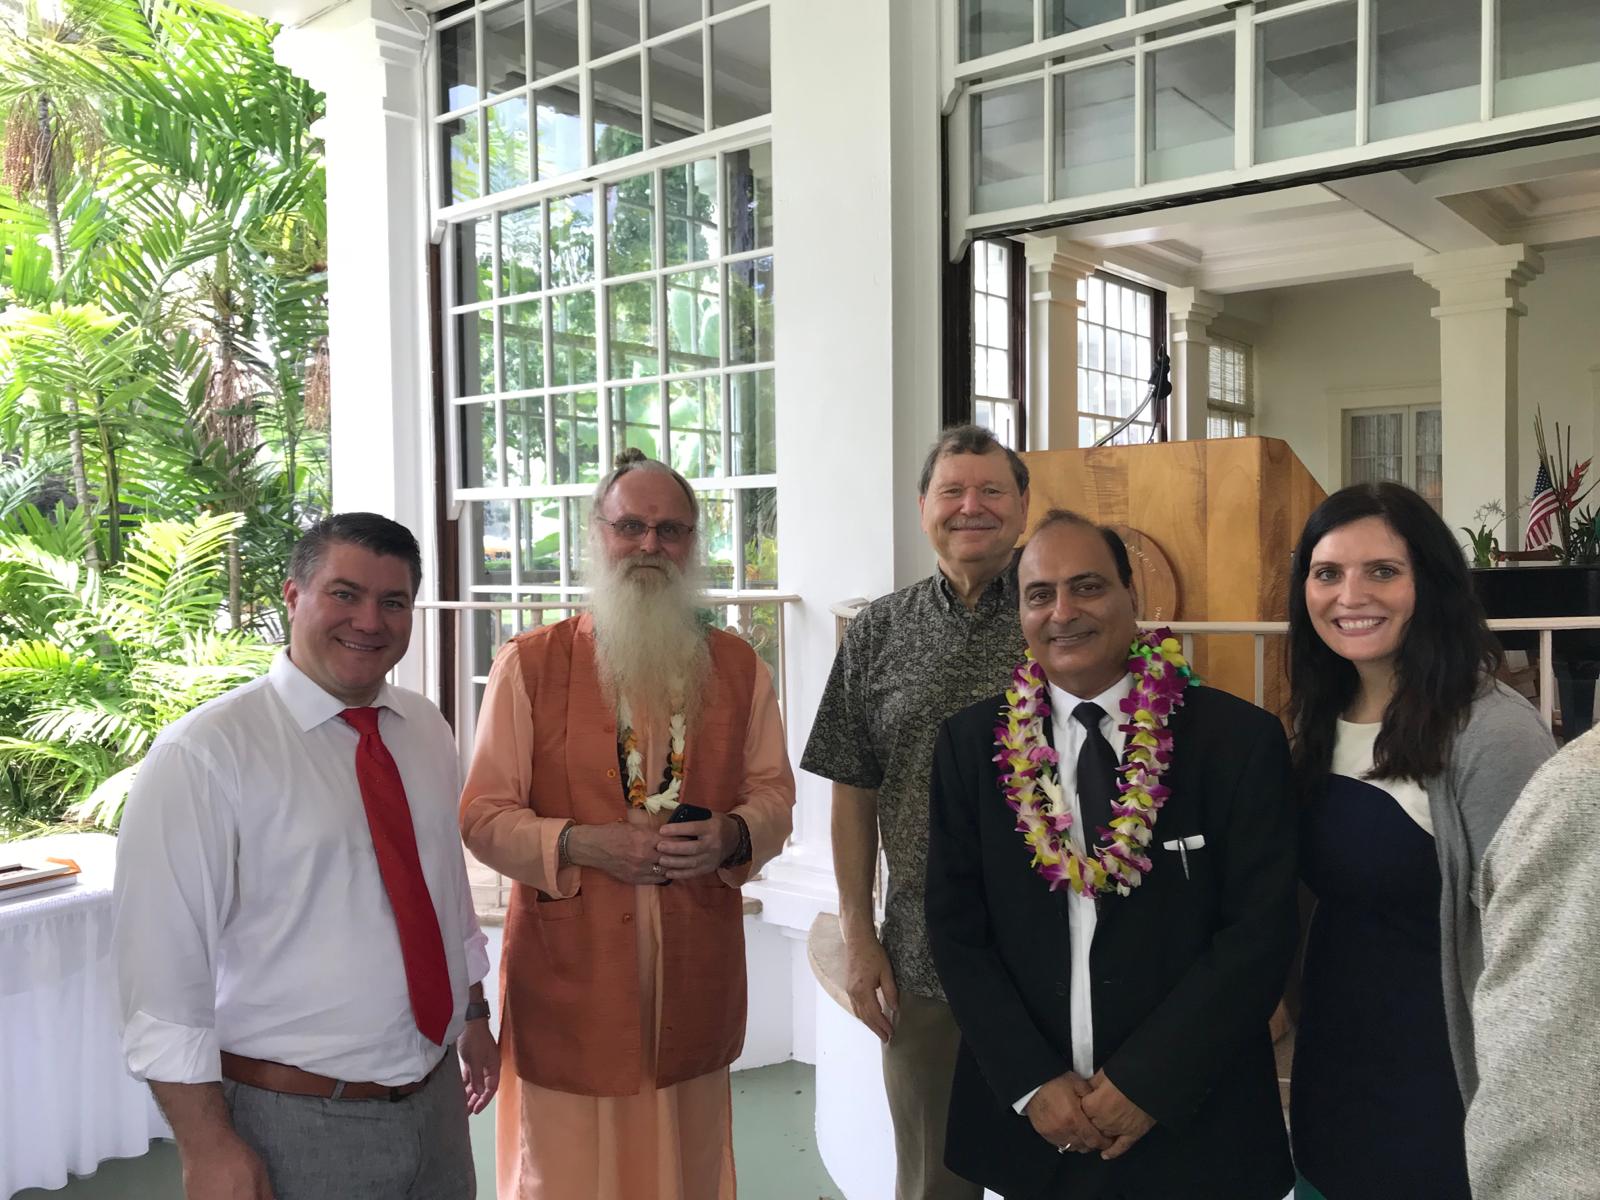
pixel 1375 1110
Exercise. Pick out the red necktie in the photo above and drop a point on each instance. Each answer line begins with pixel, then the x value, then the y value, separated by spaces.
pixel 395 841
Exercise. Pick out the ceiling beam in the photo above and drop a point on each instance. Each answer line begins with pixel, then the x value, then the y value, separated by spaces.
pixel 1412 211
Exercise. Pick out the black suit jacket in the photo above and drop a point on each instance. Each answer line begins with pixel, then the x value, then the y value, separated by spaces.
pixel 1185 970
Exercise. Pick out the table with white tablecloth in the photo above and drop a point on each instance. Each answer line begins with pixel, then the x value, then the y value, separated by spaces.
pixel 67 1102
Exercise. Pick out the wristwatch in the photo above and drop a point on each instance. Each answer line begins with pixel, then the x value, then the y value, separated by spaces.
pixel 477 1010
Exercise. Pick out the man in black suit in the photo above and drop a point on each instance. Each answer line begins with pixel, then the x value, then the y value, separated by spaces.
pixel 1114 1048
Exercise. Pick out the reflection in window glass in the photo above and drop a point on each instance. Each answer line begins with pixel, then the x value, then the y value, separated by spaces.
pixel 560 132
pixel 750 199
pixel 691 204
pixel 493 537
pixel 510 146
pixel 694 321
pixel 630 225
pixel 754 414
pixel 1007 130
pixel 741 58
pixel 717 535
pixel 458 65
pixel 555 37
pixel 618 123
pixel 460 179
pixel 521 251
pixel 572 347
pixel 1069 16
pixel 474 259
pixel 989 26
pixel 1424 64
pixel 475 353
pixel 539 541
pixel 479 440
pixel 613 26
pixel 522 345
pixel 667 15
pixel 572 239
pixel 695 417
pixel 750 296
pixel 1306 83
pixel 677 93
pixel 1549 53
pixel 527 464
pixel 1190 109
pixel 631 309
pixel 636 418
pixel 577 449
pixel 1094 117
pixel 505 53
pixel 759 534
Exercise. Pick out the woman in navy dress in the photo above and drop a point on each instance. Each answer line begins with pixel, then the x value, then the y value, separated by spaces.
pixel 1408 754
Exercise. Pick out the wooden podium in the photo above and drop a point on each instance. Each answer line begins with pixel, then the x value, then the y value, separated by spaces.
pixel 1225 514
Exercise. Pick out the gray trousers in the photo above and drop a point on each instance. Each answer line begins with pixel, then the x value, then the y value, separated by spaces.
pixel 918 1065
pixel 415 1148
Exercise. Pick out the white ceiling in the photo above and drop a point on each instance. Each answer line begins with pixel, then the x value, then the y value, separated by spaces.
pixel 1544 196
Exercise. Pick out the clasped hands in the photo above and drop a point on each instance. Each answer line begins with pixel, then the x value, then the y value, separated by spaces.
pixel 1084 1115
pixel 642 854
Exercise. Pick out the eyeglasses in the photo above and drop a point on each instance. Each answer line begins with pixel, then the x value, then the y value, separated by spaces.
pixel 632 529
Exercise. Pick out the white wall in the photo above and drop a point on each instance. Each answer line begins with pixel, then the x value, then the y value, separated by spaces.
pixel 1325 346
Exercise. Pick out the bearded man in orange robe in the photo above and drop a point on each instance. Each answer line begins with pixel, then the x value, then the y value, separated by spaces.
pixel 623 978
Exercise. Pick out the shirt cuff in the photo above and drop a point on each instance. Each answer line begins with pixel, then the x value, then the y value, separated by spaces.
pixel 477 946
pixel 1022 1105
pixel 161 1052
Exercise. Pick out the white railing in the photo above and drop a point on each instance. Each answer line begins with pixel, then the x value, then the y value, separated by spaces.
pixel 451 645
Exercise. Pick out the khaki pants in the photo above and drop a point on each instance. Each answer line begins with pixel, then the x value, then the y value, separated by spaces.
pixel 918 1064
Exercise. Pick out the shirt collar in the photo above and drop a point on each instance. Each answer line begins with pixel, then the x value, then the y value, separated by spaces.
pixel 1063 701
pixel 307 703
pixel 1000 591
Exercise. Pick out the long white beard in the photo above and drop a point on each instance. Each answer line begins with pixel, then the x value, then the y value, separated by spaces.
pixel 649 644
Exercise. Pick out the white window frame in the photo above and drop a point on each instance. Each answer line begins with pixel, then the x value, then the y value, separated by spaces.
pixel 1240 413
pixel 1000 415
pixel 1408 437
pixel 1145 425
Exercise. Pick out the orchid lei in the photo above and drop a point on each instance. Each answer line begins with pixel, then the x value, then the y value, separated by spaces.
pixel 667 797
pixel 1028 770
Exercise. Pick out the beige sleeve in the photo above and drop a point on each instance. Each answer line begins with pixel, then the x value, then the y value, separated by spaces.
pixel 498 824
pixel 766 796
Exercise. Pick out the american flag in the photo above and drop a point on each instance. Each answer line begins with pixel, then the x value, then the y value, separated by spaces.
pixel 1546 501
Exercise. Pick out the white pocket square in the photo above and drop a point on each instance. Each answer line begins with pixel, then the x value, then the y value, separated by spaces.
pixel 1189 843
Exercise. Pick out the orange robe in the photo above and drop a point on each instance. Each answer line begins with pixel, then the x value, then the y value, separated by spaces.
pixel 661 1143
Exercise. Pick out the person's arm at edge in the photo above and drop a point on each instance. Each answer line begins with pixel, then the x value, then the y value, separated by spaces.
pixel 869 978
pixel 497 825
pixel 766 793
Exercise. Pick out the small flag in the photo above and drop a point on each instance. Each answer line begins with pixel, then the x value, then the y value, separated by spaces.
pixel 1541 513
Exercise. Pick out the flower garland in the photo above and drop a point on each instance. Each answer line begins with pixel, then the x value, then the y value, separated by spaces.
pixel 1028 770
pixel 667 797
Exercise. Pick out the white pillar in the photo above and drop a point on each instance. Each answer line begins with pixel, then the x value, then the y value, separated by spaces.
pixel 1478 311
pixel 1055 268
pixel 857 348
pixel 1189 316
pixel 366 56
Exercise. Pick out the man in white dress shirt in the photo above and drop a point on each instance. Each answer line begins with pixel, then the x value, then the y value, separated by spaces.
pixel 295 937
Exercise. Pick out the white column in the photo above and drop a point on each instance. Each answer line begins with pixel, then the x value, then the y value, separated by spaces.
pixel 367 58
pixel 858 231
pixel 1055 268
pixel 1478 313
pixel 1189 316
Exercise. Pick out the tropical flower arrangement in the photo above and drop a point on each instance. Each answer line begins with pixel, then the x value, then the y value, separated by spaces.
pixel 1030 782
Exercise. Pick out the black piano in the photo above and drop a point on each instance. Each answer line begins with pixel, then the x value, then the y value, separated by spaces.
pixel 1534 591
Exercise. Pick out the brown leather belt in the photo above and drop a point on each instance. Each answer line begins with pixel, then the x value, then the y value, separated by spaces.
pixel 277 1077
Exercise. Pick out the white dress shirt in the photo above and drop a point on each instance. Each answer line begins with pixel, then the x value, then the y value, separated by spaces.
pixel 250 914
pixel 1069 738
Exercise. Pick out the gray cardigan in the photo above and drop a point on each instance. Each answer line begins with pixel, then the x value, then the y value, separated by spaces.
pixel 1532 1124
pixel 1502 744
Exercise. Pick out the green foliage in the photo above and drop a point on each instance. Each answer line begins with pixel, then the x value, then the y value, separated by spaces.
pixel 163 378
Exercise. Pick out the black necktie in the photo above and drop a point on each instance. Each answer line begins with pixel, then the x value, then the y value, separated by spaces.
pixel 1097 774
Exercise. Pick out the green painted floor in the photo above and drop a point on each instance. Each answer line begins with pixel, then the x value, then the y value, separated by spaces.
pixel 774 1147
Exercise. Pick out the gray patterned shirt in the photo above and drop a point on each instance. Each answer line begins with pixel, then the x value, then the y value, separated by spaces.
pixel 909 660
